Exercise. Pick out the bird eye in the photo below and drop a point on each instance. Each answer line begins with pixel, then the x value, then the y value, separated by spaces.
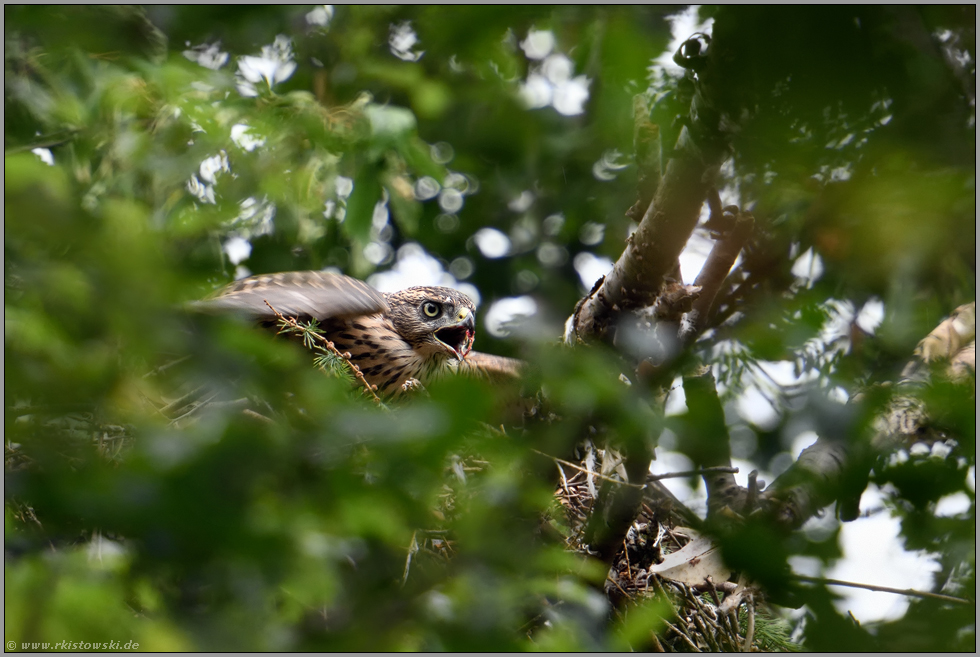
pixel 430 309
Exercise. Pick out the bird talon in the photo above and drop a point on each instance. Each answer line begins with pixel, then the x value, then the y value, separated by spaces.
pixel 413 386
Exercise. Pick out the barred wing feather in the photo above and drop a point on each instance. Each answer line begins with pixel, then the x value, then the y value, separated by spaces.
pixel 315 294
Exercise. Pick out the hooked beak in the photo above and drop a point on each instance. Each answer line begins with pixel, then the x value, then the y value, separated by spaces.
pixel 458 338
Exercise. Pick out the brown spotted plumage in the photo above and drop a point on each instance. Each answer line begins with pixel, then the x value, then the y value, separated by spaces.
pixel 420 333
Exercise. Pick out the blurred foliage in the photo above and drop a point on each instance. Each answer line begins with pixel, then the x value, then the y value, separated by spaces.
pixel 343 526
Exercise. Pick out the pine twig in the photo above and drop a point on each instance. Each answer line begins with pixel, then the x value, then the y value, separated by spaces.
pixel 683 635
pixel 307 332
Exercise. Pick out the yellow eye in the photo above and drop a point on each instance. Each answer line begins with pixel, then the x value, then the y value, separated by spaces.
pixel 430 309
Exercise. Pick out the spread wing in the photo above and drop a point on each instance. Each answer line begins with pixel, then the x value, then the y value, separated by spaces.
pixel 314 294
pixel 495 368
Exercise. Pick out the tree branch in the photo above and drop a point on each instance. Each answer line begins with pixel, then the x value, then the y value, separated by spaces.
pixel 651 252
pixel 708 441
pixel 650 256
pixel 616 506
pixel 829 469
pixel 885 589
pixel 713 275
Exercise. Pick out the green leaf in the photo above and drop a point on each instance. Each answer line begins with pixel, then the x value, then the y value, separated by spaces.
pixel 361 203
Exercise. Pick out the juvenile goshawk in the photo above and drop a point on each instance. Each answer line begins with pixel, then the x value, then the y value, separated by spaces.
pixel 419 333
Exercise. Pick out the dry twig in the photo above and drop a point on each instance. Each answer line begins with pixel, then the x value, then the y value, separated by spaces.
pixel 912 593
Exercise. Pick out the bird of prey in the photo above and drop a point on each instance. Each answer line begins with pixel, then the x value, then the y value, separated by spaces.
pixel 419 333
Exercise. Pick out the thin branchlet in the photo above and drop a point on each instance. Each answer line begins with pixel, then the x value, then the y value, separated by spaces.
pixel 311 336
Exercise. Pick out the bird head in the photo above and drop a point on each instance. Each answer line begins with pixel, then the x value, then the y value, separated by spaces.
pixel 436 321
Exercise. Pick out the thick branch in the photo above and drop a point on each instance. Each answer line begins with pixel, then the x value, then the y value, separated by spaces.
pixel 651 252
pixel 809 485
pixel 707 443
pixel 616 506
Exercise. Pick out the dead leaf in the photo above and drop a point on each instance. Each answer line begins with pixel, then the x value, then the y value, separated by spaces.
pixel 694 562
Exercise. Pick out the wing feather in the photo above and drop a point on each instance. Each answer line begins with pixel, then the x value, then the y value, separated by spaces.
pixel 316 294
pixel 495 368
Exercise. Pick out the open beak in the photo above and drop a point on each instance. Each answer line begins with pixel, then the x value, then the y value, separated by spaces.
pixel 458 338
